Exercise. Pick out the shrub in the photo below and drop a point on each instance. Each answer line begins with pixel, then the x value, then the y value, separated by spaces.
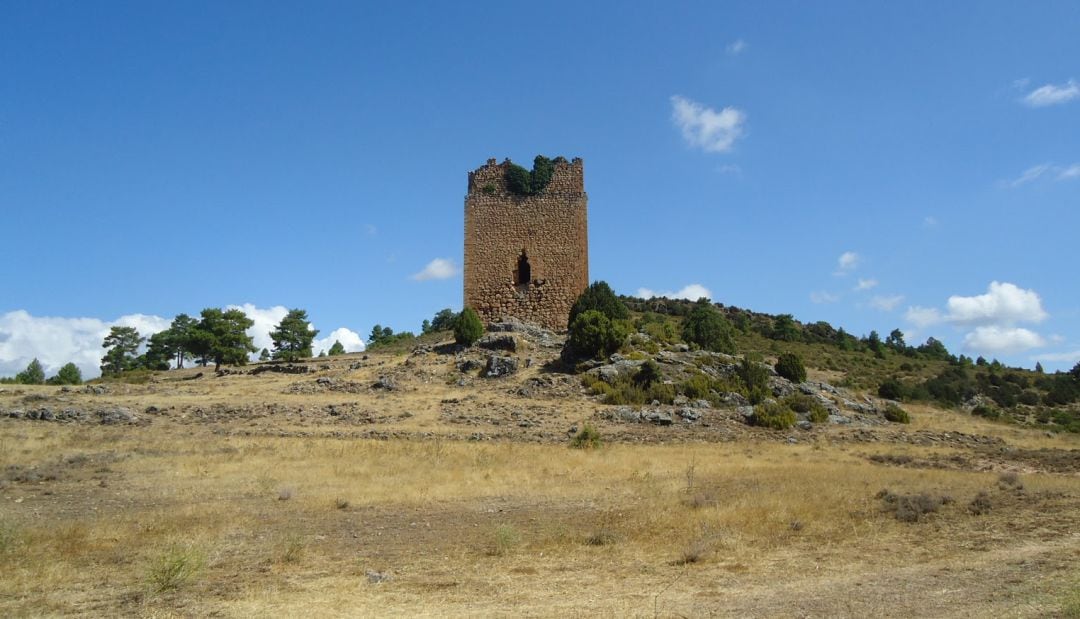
pixel 648 373
pixel 524 183
pixel 896 414
pixel 600 297
pixel 753 375
pixel 810 406
pixel 791 367
pixel 986 412
pixel 912 507
pixel 773 415
pixel 588 437
pixel 468 328
pixel 891 389
pixel 707 327
pixel 592 334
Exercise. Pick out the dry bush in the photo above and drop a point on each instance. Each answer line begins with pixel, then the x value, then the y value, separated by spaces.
pixel 912 507
pixel 177 566
pixel 980 504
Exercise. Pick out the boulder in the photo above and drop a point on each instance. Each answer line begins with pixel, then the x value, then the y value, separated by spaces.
pixel 498 341
pixel 498 366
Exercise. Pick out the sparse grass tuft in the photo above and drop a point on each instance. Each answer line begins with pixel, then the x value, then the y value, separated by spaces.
pixel 980 504
pixel 341 503
pixel 506 539
pixel 1010 479
pixel 285 494
pixel 179 565
pixel 10 540
pixel 588 437
pixel 292 549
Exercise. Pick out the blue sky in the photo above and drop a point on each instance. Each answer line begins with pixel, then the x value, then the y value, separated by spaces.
pixel 875 165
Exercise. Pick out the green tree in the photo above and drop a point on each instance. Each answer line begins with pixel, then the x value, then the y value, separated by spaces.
pixel 593 334
pixel 123 343
pixel 468 327
pixel 873 341
pixel 293 336
pixel 34 374
pixel 336 349
pixel 69 374
pixel 895 340
pixel 443 320
pixel 1075 371
pixel 160 351
pixel 785 329
pixel 707 327
pixel 791 367
pixel 222 336
pixel 264 355
pixel 1038 368
pixel 599 297
pixel 180 332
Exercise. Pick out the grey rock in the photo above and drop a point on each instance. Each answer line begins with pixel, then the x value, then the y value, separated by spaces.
pixel 625 413
pixel 96 389
pixel 117 415
pixel 324 380
pixel 745 411
pixel 385 382
pixel 497 366
pixel 804 425
pixel 681 400
pixel 498 341
pixel 781 387
pixel 688 413
pixel 732 398
pixel 699 403
pixel 658 418
pixel 375 578
pixel 839 419
pixel 469 365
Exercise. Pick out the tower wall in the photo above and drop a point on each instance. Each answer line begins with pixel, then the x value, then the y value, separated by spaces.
pixel 549 231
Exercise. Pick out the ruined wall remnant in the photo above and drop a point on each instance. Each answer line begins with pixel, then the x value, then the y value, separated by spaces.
pixel 526 256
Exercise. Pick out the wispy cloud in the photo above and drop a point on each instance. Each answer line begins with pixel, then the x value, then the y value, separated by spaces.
pixel 930 222
pixel 704 127
pixel 886 303
pixel 1053 94
pixel 1046 171
pixel 866 284
pixel 439 268
pixel 692 292
pixel 821 296
pixel 846 263
pixel 1059 357
pixel 736 47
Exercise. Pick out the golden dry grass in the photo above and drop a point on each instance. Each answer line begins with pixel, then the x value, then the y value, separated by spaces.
pixel 759 527
pixel 280 509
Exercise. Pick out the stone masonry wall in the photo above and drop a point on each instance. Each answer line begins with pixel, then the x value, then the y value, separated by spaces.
pixel 550 228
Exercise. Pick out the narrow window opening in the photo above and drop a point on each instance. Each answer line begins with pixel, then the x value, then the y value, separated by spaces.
pixel 523 274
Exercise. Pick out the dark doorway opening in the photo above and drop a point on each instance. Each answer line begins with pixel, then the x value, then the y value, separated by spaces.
pixel 523 273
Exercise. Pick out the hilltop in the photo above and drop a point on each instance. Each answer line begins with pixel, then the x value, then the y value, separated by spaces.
pixel 424 477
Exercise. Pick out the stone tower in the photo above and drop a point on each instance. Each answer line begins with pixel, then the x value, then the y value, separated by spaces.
pixel 526 256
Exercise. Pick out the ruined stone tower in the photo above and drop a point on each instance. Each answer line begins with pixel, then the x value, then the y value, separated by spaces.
pixel 526 256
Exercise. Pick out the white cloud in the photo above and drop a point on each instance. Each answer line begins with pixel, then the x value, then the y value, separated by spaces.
pixel 1003 303
pixel 350 339
pixel 886 303
pixel 56 341
pixel 1045 170
pixel 997 339
pixel 692 292
pixel 930 221
pixel 705 128
pixel 1072 171
pixel 1030 174
pixel 370 229
pixel 730 168
pixel 736 47
pixel 1053 94
pixel 992 318
pixel 1059 357
pixel 821 296
pixel 866 284
pixel 923 316
pixel 266 320
pixel 846 263
pixel 439 268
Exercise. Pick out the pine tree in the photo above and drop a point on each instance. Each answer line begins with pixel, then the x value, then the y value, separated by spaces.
pixel 34 374
pixel 123 343
pixel 336 349
pixel 293 336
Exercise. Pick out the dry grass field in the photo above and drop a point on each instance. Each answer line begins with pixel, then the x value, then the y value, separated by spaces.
pixel 280 495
